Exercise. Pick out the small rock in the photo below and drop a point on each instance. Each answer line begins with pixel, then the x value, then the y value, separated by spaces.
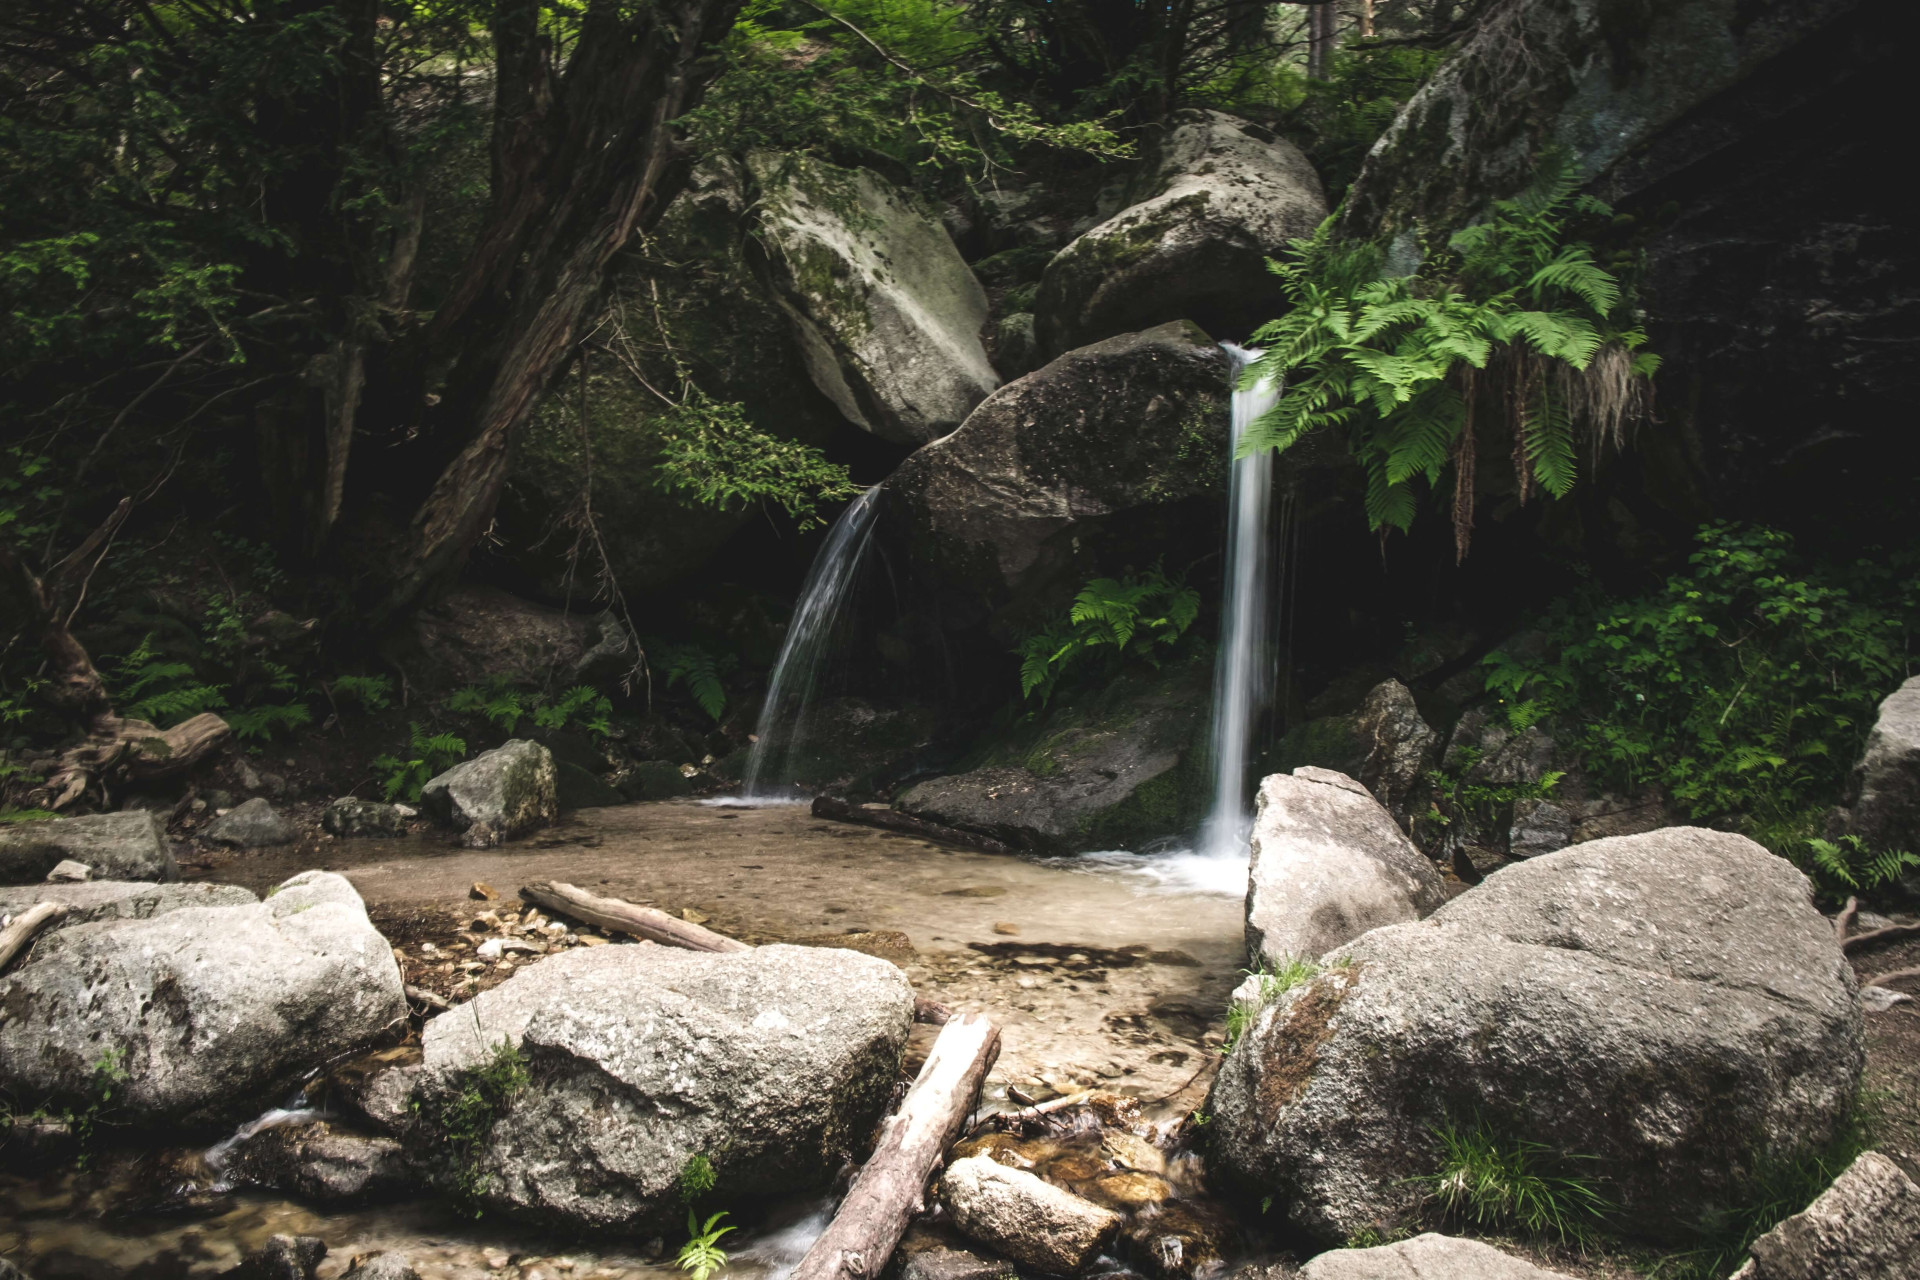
pixel 956 1264
pixel 1031 1221
pixel 385 1265
pixel 489 950
pixel 1868 921
pixel 1428 1257
pixel 1866 1226
pixel 253 825
pixel 1008 930
pixel 1881 999
pixel 130 845
pixel 483 892
pixel 70 872
pixel 282 1257
pixel 248 778
pixel 693 917
pixel 351 816
pixel 496 795
pixel 320 1162
pixel 497 1261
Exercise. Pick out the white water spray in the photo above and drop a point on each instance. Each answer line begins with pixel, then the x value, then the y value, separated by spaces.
pixel 1243 667
pixel 803 654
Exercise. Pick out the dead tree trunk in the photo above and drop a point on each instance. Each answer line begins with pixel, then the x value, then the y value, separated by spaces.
pixel 891 1187
pixel 582 159
pixel 622 916
pixel 15 937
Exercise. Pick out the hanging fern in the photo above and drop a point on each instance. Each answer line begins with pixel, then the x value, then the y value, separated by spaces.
pixel 1124 617
pixel 1510 321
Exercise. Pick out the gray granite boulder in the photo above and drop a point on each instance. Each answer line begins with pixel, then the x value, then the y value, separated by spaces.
pixel 772 1063
pixel 1670 1007
pixel 121 846
pixel 1886 781
pixel 884 309
pixel 1030 1220
pixel 318 1161
pixel 1866 1226
pixel 1328 864
pixel 256 824
pixel 1213 199
pixel 496 795
pixel 1425 1257
pixel 93 900
pixel 350 817
pixel 209 1012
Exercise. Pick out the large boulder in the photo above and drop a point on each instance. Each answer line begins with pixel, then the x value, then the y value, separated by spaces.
pixel 1026 1218
pixel 1110 767
pixel 1385 745
pixel 885 310
pixel 201 1014
pixel 1886 781
pixel 124 846
pixel 1866 1226
pixel 496 795
pixel 1425 1257
pixel 1669 1009
pixel 1112 454
pixel 772 1064
pixel 1329 863
pixel 95 900
pixel 1214 198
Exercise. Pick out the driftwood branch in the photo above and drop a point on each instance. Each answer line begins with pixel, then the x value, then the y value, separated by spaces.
pixel 1844 921
pixel 1892 933
pixel 621 916
pixel 1897 975
pixel 15 937
pixel 905 823
pixel 891 1187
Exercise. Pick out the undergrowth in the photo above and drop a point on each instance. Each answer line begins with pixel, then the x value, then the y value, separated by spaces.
pixel 1131 617
pixel 1513 1184
pixel 466 1114
pixel 1275 981
pixel 428 755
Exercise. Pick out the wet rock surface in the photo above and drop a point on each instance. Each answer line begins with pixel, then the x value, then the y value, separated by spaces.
pixel 1028 1219
pixel 320 1161
pixel 1328 864
pixel 497 795
pixel 1661 1004
pixel 121 846
pixel 201 1013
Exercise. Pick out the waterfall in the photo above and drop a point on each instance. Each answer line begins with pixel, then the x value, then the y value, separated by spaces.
pixel 1244 664
pixel 804 652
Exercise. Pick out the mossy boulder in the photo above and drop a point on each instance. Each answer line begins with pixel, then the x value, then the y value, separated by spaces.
pixel 1213 199
pixel 885 311
pixel 1110 765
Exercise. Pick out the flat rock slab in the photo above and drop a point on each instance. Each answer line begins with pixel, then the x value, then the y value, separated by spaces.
pixel 93 900
pixel 1425 1257
pixel 121 846
pixel 772 1063
pixel 1028 1219
pixel 208 1012
pixel 1866 1226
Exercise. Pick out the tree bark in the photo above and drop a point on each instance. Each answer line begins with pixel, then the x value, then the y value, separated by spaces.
pixel 622 916
pixel 1322 33
pixel 891 1187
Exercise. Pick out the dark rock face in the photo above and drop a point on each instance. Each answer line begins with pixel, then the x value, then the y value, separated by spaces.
pixel 1670 1005
pixel 1386 746
pixel 1112 768
pixel 321 1162
pixel 1214 198
pixel 1109 455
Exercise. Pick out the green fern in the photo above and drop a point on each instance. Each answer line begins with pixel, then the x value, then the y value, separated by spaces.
pixel 693 667
pixel 1848 863
pixel 427 757
pixel 582 706
pixel 1123 617
pixel 262 722
pixel 498 702
pixel 162 692
pixel 373 693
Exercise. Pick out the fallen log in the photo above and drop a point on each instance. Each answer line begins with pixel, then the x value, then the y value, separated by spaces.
pixel 15 937
pixel 905 823
pixel 891 1187
pixel 621 916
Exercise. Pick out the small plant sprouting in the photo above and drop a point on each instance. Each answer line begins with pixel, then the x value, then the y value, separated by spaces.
pixel 1130 617
pixel 701 1256
pixel 466 1116
pixel 1274 982
pixel 696 1178
pixel 700 671
pixel 1513 1184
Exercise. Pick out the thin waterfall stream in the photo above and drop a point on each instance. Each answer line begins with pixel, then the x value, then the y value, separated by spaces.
pixel 824 597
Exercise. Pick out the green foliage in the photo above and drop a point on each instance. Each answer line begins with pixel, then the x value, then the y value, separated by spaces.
pixel 1514 319
pixel 11 814
pixel 713 454
pixel 466 1113
pixel 504 706
pixel 696 668
pixel 1847 865
pixel 1454 797
pixel 260 723
pixel 696 1178
pixel 1513 1184
pixel 373 693
pixel 1129 617
pixel 1744 685
pixel 497 701
pixel 426 758
pixel 701 1255
pixel 27 497
pixel 1274 982
pixel 148 687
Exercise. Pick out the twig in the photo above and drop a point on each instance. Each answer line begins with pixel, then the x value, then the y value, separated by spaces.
pixel 1897 975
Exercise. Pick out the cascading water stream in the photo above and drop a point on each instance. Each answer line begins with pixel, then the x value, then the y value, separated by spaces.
pixel 803 654
pixel 1243 668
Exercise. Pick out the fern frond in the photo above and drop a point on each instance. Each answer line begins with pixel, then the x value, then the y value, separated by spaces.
pixel 1574 270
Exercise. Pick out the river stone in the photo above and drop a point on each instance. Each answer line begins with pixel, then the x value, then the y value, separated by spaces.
pixel 578 788
pixel 210 1011
pixel 1425 1257
pixel 956 1264
pixel 772 1063
pixel 1030 1220
pixel 350 816
pixel 886 312
pixel 282 1257
pixel 1328 864
pixel 385 1265
pixel 1670 1005
pixel 1213 200
pixel 320 1162
pixel 252 825
pixel 1866 1226
pixel 124 846
pixel 122 899
pixel 496 795
pixel 1886 814
pixel 1108 455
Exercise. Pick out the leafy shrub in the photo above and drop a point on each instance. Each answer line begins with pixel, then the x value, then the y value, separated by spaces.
pixel 1515 319
pixel 696 1178
pixel 1130 617
pixel 1456 801
pixel 1745 685
pixel 714 454
pixel 1512 1184
pixel 427 757
pixel 164 692
pixel 262 722
pixel 504 706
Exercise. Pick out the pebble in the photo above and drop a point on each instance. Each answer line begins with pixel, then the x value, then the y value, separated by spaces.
pixel 1009 930
pixel 497 1261
pixel 1881 999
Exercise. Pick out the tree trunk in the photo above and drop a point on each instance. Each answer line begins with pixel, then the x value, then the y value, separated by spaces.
pixel 1322 32
pixel 586 159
